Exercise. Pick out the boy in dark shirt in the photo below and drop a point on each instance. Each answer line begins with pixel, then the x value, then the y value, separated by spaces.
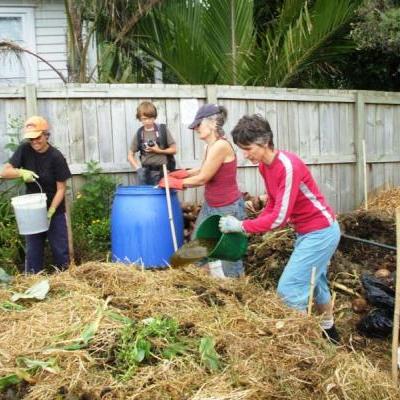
pixel 154 149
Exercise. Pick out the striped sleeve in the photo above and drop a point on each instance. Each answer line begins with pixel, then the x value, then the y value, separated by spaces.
pixel 277 213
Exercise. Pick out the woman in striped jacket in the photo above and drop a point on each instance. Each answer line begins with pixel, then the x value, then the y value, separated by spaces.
pixel 293 198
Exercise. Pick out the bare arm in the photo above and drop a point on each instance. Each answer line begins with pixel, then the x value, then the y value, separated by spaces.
pixel 60 194
pixel 133 160
pixel 9 172
pixel 217 154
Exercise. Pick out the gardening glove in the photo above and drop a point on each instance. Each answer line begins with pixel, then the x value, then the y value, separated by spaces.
pixel 27 175
pixel 230 224
pixel 179 174
pixel 173 183
pixel 50 212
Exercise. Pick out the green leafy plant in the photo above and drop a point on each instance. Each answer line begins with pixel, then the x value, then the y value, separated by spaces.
pixel 149 340
pixel 98 234
pixel 209 356
pixel 15 125
pixel 91 214
pixel 11 247
pixel 155 339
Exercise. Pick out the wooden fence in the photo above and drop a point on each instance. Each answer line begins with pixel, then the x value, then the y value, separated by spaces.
pixel 326 128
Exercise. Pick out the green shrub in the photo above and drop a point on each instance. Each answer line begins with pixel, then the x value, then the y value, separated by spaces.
pixel 98 233
pixel 11 246
pixel 91 215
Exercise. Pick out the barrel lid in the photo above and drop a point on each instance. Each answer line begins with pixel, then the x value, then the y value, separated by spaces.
pixel 140 190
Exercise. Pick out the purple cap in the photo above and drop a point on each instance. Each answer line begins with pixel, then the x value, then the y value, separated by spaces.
pixel 203 112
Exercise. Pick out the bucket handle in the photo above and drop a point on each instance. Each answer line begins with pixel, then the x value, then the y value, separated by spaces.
pixel 40 186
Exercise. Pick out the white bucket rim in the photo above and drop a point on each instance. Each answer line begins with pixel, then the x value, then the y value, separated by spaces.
pixel 31 198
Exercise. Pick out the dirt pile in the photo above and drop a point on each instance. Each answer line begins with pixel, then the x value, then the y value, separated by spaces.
pixel 108 331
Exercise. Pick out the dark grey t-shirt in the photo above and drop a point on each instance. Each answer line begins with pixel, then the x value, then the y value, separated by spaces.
pixel 151 158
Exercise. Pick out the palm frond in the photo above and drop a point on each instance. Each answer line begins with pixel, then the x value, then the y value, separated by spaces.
pixel 174 35
pixel 315 36
pixel 229 34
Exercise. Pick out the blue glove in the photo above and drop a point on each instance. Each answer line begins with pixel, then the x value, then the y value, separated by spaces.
pixel 230 224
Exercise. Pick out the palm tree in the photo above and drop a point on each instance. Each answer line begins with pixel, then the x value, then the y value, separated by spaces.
pixel 215 41
pixel 110 20
pixel 200 42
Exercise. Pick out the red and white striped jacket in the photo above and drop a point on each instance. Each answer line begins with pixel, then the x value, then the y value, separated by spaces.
pixel 293 197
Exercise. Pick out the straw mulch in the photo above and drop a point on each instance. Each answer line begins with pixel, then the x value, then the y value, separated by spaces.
pixel 264 349
pixel 385 201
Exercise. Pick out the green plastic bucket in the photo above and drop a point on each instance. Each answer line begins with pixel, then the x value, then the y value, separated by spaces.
pixel 230 246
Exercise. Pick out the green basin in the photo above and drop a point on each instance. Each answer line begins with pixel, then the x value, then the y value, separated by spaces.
pixel 230 246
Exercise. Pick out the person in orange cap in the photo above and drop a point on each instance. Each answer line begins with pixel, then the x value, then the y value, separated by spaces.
pixel 42 167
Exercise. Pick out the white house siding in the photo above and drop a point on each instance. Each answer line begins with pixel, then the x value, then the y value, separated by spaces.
pixel 49 30
pixel 51 37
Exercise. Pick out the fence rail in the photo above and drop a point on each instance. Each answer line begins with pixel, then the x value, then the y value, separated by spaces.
pixel 327 128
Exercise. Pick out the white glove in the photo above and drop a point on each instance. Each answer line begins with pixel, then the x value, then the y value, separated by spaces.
pixel 230 224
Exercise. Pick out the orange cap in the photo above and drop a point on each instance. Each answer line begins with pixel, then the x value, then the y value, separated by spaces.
pixel 35 126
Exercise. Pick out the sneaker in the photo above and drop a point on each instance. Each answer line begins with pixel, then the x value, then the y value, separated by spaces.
pixel 332 335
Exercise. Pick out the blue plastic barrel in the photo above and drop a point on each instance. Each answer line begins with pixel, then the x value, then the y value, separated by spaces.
pixel 140 226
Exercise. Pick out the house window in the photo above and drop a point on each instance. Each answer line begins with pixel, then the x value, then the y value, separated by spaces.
pixel 17 26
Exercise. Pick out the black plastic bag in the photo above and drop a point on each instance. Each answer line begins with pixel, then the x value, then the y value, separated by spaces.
pixel 378 293
pixel 378 323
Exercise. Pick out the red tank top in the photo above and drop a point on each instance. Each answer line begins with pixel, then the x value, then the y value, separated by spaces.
pixel 222 189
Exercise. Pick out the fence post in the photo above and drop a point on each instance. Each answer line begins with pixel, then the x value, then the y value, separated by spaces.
pixel 361 185
pixel 211 92
pixel 30 99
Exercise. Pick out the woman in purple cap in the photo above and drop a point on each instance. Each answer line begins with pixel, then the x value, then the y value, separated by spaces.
pixel 217 173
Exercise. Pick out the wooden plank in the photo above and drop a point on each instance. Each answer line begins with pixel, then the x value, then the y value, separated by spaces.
pixel 237 109
pixel 90 129
pixel 376 177
pixel 293 127
pixel 104 130
pixel 388 134
pixel 345 188
pixel 309 139
pixel 281 137
pixel 256 107
pixel 9 92
pixel 161 114
pixel 378 143
pixel 329 128
pixel 329 184
pixel 128 91
pixel 132 125
pixel 384 98
pixel 4 129
pixel 359 136
pixel 271 114
pixel 55 111
pixel 267 94
pixel 30 99
pixel 346 129
pixel 106 167
pixel 211 93
pixel 396 130
pixel 172 110
pixel 118 130
pixel 75 131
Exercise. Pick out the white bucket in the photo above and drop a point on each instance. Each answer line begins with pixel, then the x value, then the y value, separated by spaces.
pixel 31 213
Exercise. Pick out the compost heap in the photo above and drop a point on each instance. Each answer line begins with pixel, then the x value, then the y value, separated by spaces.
pixel 357 273
pixel 108 331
